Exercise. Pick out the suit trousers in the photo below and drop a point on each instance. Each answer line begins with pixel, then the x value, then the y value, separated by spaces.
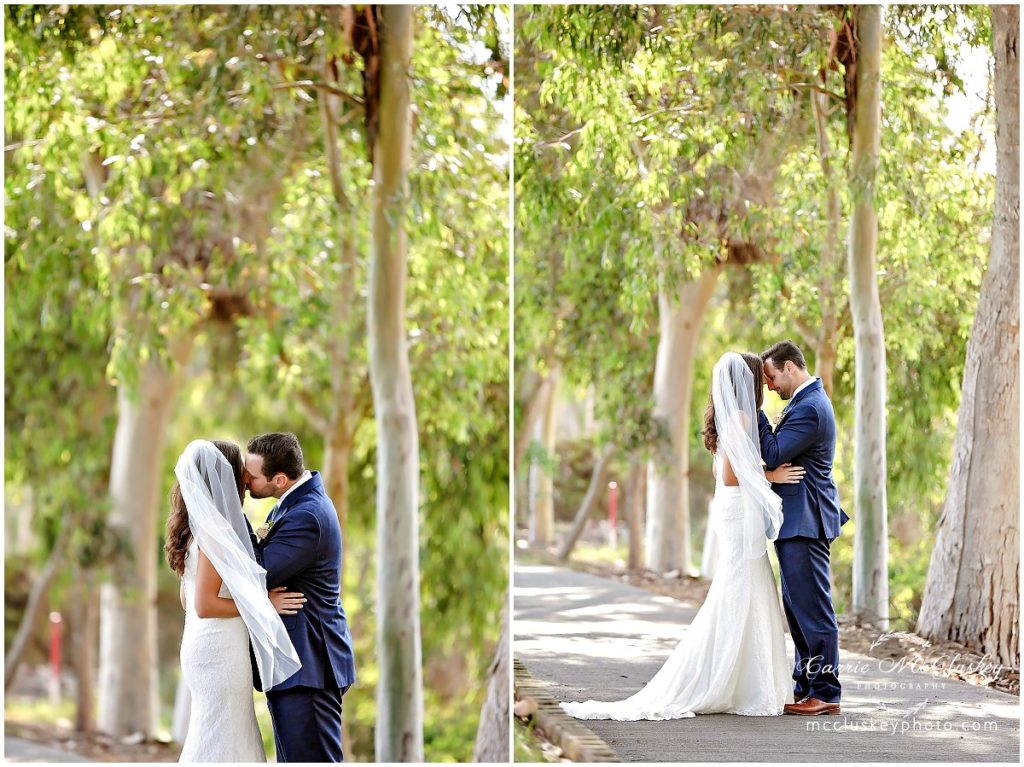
pixel 807 600
pixel 307 724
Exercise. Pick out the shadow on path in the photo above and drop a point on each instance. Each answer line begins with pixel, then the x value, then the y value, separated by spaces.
pixel 590 637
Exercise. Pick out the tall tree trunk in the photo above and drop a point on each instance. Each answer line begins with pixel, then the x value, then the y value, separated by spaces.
pixel 36 602
pixel 637 482
pixel 668 496
pixel 340 429
pixel 972 591
pixel 86 617
pixel 128 689
pixel 597 482
pixel 399 731
pixel 871 550
pixel 492 743
pixel 831 264
pixel 337 459
pixel 542 528
pixel 532 410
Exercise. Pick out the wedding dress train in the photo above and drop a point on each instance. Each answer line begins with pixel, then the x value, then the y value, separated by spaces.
pixel 733 657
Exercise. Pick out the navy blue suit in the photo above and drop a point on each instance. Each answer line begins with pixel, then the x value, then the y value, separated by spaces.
pixel 302 551
pixel 811 520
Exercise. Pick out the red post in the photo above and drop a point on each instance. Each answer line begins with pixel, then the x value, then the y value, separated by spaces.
pixel 55 621
pixel 613 508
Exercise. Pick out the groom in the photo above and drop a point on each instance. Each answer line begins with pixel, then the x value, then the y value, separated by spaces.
pixel 300 548
pixel 805 436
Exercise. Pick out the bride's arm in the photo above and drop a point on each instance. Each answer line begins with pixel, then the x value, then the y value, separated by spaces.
pixel 209 603
pixel 728 475
pixel 181 592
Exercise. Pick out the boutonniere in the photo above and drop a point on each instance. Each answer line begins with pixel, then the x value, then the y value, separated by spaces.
pixel 263 530
pixel 778 419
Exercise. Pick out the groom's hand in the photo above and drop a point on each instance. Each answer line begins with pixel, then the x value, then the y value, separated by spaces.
pixel 286 602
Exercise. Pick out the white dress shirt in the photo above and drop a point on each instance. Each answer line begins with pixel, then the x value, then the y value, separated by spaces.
pixel 306 476
pixel 801 387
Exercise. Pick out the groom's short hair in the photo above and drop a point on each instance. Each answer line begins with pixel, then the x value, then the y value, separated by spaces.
pixel 280 452
pixel 783 352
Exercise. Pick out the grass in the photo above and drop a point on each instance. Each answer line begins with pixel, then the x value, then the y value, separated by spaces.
pixel 40 711
pixel 266 725
pixel 603 554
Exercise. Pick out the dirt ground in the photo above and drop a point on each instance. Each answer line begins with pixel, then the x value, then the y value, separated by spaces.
pixel 100 748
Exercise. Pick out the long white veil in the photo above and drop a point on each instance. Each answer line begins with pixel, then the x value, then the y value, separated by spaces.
pixel 732 393
pixel 210 491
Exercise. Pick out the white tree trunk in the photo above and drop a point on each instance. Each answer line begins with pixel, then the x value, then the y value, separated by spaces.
pixel 831 263
pixel 668 497
pixel 637 477
pixel 399 730
pixel 972 591
pixel 531 411
pixel 871 550
pixel 492 744
pixel 128 688
pixel 542 527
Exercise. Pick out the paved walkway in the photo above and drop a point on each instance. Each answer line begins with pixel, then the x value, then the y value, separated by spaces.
pixel 591 637
pixel 18 750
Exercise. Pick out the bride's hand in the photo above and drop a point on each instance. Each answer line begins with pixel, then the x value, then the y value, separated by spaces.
pixel 286 602
pixel 786 474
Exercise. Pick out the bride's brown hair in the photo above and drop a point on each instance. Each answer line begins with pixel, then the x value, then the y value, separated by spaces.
pixel 178 535
pixel 710 432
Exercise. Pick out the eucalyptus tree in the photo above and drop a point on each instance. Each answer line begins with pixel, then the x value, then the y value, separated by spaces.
pixel 399 734
pixel 492 741
pixel 169 141
pixel 311 346
pixel 972 591
pixel 680 117
pixel 59 410
pixel 927 289
pixel 871 557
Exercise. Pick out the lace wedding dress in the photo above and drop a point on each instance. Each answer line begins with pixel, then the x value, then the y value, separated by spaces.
pixel 733 659
pixel 215 665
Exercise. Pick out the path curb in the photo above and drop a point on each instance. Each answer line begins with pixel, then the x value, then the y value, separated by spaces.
pixel 577 742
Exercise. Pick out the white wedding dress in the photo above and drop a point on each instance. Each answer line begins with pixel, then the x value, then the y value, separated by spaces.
pixel 216 667
pixel 733 659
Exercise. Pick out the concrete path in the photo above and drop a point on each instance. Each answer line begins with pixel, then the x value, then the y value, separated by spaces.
pixel 18 750
pixel 590 637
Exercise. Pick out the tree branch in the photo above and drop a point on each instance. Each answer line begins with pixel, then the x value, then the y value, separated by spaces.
pixel 686 110
pixel 306 402
pixel 560 140
pixel 322 86
pixel 810 87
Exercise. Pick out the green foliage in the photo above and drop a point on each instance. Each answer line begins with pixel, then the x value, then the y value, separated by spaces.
pixel 635 122
pixel 170 179
pixel 643 141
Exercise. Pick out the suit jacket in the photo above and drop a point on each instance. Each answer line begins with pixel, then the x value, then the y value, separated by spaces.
pixel 302 551
pixel 806 436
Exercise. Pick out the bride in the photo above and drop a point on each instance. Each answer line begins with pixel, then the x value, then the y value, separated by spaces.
pixel 227 606
pixel 733 658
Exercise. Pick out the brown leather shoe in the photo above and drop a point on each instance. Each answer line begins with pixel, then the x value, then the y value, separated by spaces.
pixel 811 707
